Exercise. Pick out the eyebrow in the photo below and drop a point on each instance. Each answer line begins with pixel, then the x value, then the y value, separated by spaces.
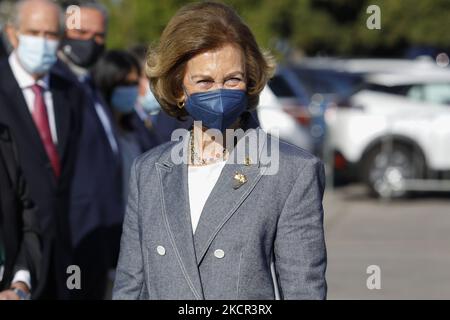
pixel 206 76
pixel 31 30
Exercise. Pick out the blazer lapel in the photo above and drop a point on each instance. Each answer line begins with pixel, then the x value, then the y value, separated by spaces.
pixel 19 110
pixel 176 211
pixel 227 195
pixel 62 112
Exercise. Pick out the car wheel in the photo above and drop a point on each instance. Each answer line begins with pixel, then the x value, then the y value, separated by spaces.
pixel 386 169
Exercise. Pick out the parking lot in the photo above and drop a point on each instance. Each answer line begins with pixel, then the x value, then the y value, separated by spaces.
pixel 408 239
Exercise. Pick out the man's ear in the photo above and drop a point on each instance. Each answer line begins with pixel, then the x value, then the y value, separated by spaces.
pixel 11 32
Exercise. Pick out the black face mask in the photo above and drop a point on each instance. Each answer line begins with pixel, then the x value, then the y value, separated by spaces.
pixel 83 53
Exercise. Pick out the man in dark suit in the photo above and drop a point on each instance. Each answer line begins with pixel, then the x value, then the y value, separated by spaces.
pixel 96 210
pixel 20 251
pixel 43 110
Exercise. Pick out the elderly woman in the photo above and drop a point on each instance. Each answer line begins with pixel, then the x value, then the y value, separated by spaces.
pixel 217 226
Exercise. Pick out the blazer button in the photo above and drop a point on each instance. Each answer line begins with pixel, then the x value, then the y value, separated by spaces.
pixel 219 253
pixel 161 250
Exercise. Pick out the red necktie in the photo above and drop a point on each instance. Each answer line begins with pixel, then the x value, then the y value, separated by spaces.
pixel 40 118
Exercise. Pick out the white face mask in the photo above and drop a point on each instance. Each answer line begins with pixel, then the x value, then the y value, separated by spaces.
pixel 37 54
pixel 149 103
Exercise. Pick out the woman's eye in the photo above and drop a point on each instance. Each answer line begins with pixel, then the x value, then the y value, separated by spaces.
pixel 204 81
pixel 233 81
pixel 205 84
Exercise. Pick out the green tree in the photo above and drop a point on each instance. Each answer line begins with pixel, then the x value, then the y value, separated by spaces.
pixel 315 26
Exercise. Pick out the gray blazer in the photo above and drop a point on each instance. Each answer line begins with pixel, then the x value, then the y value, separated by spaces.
pixel 269 220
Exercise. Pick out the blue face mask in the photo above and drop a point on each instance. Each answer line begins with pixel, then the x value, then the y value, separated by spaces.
pixel 36 54
pixel 149 103
pixel 217 109
pixel 124 98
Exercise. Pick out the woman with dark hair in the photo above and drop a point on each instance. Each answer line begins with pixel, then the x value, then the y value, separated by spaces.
pixel 117 75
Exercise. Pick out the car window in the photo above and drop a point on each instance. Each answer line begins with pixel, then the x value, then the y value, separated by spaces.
pixel 311 81
pixel 280 87
pixel 329 82
pixel 438 93
pixel 401 90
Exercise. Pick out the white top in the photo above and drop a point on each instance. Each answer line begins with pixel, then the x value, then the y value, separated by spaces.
pixel 26 81
pixel 201 181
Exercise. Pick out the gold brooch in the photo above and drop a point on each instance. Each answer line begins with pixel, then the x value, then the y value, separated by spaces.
pixel 239 179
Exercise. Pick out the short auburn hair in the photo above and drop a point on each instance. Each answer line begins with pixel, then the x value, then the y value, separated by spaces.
pixel 197 28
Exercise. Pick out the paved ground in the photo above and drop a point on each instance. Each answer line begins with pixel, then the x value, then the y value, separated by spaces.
pixel 408 239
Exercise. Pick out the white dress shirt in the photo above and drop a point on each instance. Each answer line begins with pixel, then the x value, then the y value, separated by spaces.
pixel 201 181
pixel 26 81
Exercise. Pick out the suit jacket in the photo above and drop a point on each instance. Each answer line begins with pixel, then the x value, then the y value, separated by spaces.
pixel 270 218
pixel 19 228
pixel 51 195
pixel 145 137
pixel 96 208
pixel 3 52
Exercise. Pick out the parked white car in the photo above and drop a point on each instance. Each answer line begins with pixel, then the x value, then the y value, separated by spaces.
pixel 368 66
pixel 396 131
pixel 275 120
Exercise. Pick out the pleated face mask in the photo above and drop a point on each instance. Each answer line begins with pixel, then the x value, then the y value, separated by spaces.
pixel 124 98
pixel 217 109
pixel 37 54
